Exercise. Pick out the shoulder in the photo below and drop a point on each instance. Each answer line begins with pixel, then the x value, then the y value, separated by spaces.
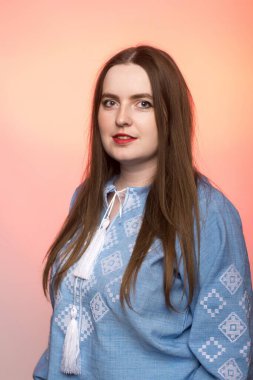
pixel 214 205
pixel 75 193
pixel 222 241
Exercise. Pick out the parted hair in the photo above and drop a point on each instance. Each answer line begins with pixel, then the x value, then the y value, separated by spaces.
pixel 172 202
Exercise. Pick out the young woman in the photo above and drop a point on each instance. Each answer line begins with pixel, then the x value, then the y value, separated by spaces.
pixel 149 277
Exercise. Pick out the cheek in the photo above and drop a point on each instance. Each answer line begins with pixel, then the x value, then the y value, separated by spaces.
pixel 152 133
pixel 101 124
pixel 153 138
pixel 104 123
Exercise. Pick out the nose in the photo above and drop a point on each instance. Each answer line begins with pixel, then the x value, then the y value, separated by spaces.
pixel 123 116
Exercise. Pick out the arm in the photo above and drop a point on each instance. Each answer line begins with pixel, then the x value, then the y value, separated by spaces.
pixel 222 325
pixel 40 371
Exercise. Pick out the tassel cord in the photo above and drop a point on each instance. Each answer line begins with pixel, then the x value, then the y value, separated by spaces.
pixel 109 209
pixel 80 305
pixel 75 287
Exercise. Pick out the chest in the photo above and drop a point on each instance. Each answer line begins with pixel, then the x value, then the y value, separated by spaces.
pixel 97 298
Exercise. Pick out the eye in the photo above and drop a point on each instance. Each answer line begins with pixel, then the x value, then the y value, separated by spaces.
pixel 108 103
pixel 105 102
pixel 145 101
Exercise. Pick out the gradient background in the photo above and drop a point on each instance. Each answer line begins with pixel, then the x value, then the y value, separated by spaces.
pixel 51 52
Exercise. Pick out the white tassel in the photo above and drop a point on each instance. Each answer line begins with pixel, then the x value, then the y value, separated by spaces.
pixel 71 361
pixel 87 261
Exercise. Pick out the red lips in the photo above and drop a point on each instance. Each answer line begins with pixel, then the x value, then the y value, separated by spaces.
pixel 123 141
pixel 123 134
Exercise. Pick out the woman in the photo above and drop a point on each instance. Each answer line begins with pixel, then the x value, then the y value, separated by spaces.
pixel 149 275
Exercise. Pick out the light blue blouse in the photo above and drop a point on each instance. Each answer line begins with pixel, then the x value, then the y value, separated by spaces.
pixel 211 339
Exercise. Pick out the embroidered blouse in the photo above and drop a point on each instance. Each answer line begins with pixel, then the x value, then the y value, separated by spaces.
pixel 210 339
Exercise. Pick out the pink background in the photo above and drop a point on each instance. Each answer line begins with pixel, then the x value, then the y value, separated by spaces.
pixel 51 52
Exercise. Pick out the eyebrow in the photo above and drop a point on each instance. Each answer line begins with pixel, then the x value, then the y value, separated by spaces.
pixel 132 97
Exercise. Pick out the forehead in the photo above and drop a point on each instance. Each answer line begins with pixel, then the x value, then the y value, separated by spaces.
pixel 126 78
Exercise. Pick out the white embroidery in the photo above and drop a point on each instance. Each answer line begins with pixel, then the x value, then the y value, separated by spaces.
pixel 245 303
pixel 111 263
pixel 216 299
pixel 211 342
pixel 58 298
pixel 132 225
pixel 133 201
pixel 111 238
pixel 86 285
pixel 231 279
pixel 245 351
pixel 131 248
pixel 98 307
pixel 112 288
pixel 230 370
pixel 232 327
pixel 63 318
pixel 86 325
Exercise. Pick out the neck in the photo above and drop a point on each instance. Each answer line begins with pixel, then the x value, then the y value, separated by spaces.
pixel 128 178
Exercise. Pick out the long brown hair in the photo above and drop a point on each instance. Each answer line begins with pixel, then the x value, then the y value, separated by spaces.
pixel 172 201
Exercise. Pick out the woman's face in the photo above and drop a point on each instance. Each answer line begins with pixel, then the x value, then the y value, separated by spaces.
pixel 127 107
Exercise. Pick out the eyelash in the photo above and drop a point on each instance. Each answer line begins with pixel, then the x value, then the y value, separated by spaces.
pixel 108 100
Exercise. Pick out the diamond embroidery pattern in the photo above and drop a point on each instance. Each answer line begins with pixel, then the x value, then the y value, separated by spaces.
pixel 213 303
pixel 63 318
pixel 133 201
pixel 245 352
pixel 111 263
pixel 230 370
pixel 132 225
pixel 231 279
pixel 86 325
pixel 232 327
pixel 215 349
pixel 111 238
pixel 245 303
pixel 112 288
pixel 98 307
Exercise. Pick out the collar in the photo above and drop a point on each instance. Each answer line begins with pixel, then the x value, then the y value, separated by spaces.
pixel 109 186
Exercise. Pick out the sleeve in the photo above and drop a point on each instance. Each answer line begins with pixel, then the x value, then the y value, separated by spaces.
pixel 56 263
pixel 73 198
pixel 222 321
pixel 40 371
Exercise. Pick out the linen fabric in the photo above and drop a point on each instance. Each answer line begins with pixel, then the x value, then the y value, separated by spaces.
pixel 210 339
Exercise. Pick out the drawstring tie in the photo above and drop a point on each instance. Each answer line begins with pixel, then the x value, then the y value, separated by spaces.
pixel 71 359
